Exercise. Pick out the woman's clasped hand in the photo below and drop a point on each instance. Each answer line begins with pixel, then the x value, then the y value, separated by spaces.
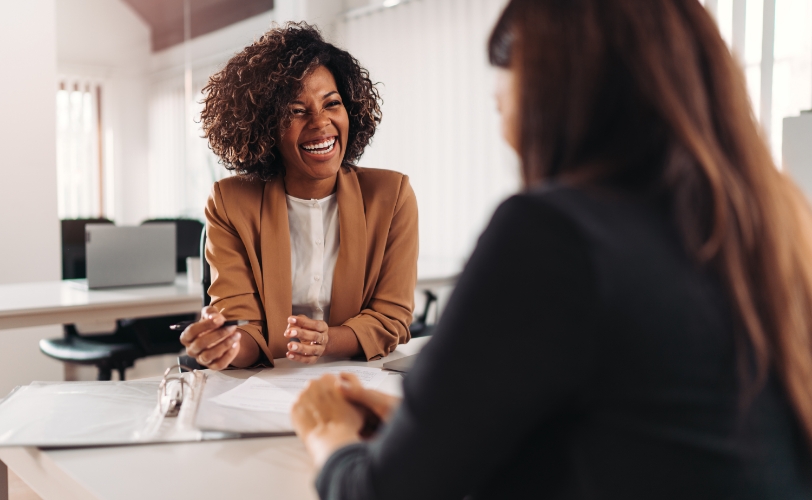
pixel 336 411
pixel 307 337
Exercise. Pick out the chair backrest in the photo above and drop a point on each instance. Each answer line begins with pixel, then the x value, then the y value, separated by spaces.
pixel 74 264
pixel 188 238
pixel 205 269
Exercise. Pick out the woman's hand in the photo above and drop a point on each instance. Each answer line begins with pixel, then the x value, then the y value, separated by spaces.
pixel 324 420
pixel 379 404
pixel 312 338
pixel 209 343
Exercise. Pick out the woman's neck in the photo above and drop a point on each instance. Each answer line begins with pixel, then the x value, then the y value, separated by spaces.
pixel 310 189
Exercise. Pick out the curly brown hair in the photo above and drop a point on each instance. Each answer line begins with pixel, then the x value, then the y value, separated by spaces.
pixel 245 108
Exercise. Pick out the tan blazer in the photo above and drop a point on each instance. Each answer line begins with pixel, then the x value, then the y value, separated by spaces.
pixel 248 247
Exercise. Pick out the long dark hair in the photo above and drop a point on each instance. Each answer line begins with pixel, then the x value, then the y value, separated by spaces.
pixel 645 94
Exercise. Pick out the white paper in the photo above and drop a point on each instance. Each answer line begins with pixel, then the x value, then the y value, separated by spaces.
pixel 276 391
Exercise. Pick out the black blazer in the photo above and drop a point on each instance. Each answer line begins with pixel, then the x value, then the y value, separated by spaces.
pixel 583 355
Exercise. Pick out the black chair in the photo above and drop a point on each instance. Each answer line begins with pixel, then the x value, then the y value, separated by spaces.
pixel 153 334
pixel 205 278
pixel 205 269
pixel 188 233
pixel 420 326
pixel 132 339
pixel 73 246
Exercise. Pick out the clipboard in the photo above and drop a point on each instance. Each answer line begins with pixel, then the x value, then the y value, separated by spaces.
pixel 180 407
pixel 93 414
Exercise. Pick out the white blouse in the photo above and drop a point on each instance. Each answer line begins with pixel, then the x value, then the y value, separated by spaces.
pixel 313 253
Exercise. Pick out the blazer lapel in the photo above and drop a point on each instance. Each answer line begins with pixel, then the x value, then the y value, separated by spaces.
pixel 350 271
pixel 275 247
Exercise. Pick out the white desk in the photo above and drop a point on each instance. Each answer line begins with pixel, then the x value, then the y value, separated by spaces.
pixel 60 302
pixel 248 468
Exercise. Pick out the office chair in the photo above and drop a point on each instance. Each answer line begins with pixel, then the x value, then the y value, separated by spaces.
pixel 205 278
pixel 420 326
pixel 73 246
pixel 132 339
pixel 205 269
pixel 188 239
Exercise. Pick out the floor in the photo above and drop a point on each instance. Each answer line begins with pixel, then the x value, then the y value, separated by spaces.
pixel 18 490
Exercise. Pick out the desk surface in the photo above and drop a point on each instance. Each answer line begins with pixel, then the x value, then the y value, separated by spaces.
pixel 60 302
pixel 246 468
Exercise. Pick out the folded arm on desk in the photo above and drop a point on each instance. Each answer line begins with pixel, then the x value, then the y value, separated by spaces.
pixel 384 322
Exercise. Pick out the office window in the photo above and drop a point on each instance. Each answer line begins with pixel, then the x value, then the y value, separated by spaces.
pixel 792 65
pixel 780 84
pixel 79 152
pixel 753 39
pixel 724 18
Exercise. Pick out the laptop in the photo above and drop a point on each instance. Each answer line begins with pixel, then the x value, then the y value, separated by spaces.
pixel 402 365
pixel 118 256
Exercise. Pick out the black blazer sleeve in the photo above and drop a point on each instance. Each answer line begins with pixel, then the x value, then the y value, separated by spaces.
pixel 526 300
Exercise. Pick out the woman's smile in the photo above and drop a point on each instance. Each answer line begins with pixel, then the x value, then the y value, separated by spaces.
pixel 320 149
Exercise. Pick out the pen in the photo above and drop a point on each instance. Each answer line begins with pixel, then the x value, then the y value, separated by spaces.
pixel 232 322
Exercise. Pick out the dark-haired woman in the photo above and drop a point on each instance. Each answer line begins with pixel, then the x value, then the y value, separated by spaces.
pixel 637 324
pixel 319 254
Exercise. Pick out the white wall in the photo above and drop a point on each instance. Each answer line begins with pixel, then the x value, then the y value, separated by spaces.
pixel 106 39
pixel 29 225
pixel 440 124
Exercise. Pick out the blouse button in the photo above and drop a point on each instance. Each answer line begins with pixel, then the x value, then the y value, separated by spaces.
pixel 318 242
pixel 316 277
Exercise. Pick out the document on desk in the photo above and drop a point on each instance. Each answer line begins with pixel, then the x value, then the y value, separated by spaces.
pixel 278 391
pixel 261 403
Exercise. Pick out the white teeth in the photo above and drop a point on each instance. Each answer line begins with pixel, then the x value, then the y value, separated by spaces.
pixel 311 148
pixel 322 151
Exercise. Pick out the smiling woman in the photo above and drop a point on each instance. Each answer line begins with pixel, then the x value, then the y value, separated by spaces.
pixel 318 254
pixel 309 142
